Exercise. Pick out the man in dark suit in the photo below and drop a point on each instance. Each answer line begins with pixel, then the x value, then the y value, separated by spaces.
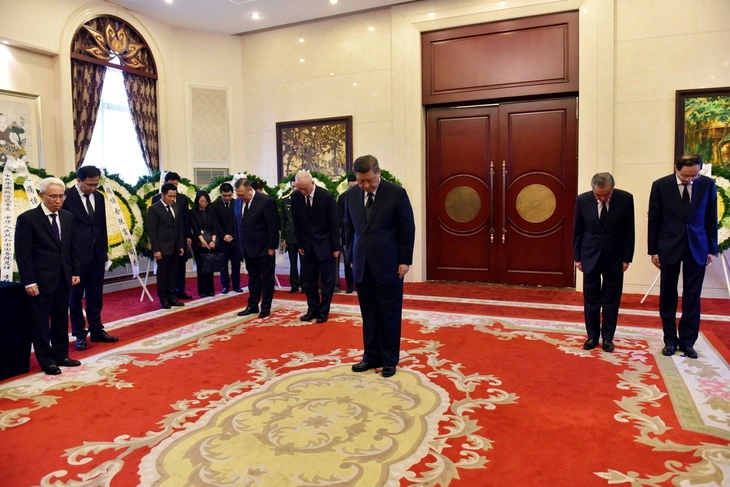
pixel 289 236
pixel 168 243
pixel 341 202
pixel 228 245
pixel 682 234
pixel 89 210
pixel 603 248
pixel 380 232
pixel 314 213
pixel 257 231
pixel 183 206
pixel 45 250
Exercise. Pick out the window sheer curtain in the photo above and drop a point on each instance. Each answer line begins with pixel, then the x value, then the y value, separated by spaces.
pixel 87 82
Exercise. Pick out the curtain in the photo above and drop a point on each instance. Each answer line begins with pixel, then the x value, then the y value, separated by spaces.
pixel 87 81
pixel 142 95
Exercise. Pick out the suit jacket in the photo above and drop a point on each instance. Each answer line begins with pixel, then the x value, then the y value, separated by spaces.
pixel 41 260
pixel 225 218
pixel 204 221
pixel 317 232
pixel 90 233
pixel 260 231
pixel 614 239
pixel 341 201
pixel 287 221
pixel 671 225
pixel 166 234
pixel 386 240
pixel 182 212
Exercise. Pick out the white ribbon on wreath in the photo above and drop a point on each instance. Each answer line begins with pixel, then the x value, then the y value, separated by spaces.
pixel 122 224
pixel 12 168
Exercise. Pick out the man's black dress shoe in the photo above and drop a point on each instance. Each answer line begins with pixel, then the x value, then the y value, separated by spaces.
pixel 388 371
pixel 224 290
pixel 690 352
pixel 183 296
pixel 590 344
pixel 306 317
pixel 81 343
pixel 68 362
pixel 248 311
pixel 293 290
pixel 608 346
pixel 668 350
pixel 52 370
pixel 322 319
pixel 103 336
pixel 175 302
pixel 264 313
pixel 349 290
pixel 363 366
pixel 238 290
pixel 165 305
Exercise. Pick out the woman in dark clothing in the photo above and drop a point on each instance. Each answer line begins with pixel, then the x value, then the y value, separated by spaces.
pixel 205 233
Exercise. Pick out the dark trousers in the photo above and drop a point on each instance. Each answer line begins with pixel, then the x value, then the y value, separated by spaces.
pixel 205 279
pixel 260 280
pixel 315 271
pixel 167 269
pixel 689 324
pixel 91 288
pixel 296 278
pixel 180 272
pixel 49 325
pixel 233 255
pixel 349 280
pixel 602 289
pixel 381 306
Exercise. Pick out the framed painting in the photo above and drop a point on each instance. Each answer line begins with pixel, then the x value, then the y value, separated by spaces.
pixel 323 145
pixel 703 125
pixel 20 127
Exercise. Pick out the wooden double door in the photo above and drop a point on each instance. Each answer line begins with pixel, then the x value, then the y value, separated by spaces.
pixel 501 189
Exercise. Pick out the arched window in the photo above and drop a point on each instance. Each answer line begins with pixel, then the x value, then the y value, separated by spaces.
pixel 110 45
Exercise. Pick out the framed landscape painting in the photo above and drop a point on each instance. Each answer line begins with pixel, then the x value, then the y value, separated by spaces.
pixel 323 145
pixel 20 128
pixel 703 125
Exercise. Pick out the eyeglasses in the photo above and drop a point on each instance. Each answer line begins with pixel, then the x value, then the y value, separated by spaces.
pixel 56 197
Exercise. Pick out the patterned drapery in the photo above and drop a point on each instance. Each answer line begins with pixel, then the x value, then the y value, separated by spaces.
pixel 142 95
pixel 87 81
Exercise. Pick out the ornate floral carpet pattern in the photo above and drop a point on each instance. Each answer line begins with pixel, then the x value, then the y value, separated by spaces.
pixel 478 400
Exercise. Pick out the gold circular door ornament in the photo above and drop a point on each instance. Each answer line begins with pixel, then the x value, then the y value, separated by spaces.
pixel 462 204
pixel 536 203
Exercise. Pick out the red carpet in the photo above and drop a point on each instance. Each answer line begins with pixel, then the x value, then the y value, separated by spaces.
pixel 201 397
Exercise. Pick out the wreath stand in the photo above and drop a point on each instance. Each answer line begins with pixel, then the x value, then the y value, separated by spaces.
pixel 725 266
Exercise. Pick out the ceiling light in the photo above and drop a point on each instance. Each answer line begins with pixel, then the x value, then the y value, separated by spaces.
pixel 168 1
pixel 301 60
pixel 333 2
pixel 354 84
pixel 431 14
pixel 301 39
pixel 256 16
pixel 371 28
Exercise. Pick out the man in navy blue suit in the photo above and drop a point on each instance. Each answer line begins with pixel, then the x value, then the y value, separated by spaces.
pixel 314 212
pixel 257 233
pixel 89 210
pixel 379 234
pixel 603 247
pixel 682 235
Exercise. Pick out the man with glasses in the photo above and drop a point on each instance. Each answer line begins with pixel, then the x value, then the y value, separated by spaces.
pixel 89 211
pixel 603 247
pixel 45 250
pixel 682 235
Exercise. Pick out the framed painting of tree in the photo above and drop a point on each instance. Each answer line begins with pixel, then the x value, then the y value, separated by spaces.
pixel 323 145
pixel 703 125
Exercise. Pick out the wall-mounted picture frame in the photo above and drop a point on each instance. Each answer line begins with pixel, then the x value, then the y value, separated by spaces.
pixel 323 145
pixel 20 127
pixel 703 125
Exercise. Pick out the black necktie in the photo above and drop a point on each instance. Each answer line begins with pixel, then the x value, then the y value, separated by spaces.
pixel 245 209
pixel 226 205
pixel 56 230
pixel 309 204
pixel 169 210
pixel 604 211
pixel 369 205
pixel 685 196
pixel 89 208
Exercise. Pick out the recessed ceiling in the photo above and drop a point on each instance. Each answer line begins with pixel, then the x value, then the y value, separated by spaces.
pixel 234 16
